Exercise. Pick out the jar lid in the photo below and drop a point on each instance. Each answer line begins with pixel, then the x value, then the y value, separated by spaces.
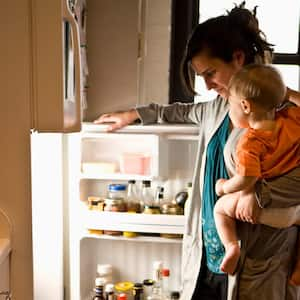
pixel 138 286
pixel 175 295
pixel 117 187
pixel 99 281
pixel 148 282
pixel 104 269
pixel 131 181
pixel 146 182
pixel 122 297
pixel 109 287
pixel 124 286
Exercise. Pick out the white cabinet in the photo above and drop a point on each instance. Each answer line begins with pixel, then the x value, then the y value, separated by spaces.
pixel 94 162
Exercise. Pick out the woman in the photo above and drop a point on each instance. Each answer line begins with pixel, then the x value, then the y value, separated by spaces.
pixel 217 49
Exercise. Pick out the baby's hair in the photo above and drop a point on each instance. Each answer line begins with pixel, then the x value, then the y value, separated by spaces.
pixel 260 84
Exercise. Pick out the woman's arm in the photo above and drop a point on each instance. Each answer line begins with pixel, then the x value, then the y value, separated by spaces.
pixel 293 96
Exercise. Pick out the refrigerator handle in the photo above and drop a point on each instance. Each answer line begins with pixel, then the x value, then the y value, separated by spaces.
pixel 69 17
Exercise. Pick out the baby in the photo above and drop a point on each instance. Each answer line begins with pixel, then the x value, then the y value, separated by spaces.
pixel 269 147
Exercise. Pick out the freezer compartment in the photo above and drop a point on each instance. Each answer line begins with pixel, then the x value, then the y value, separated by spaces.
pixel 131 260
pixel 120 155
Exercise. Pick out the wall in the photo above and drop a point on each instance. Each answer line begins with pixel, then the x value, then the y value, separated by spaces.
pixel 15 139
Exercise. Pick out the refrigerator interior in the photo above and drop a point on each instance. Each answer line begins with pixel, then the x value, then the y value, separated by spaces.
pixel 172 157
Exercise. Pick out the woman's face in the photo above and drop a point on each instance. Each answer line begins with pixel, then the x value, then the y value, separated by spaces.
pixel 215 72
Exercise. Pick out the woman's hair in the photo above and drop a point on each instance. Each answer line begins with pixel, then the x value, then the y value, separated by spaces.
pixel 260 84
pixel 221 36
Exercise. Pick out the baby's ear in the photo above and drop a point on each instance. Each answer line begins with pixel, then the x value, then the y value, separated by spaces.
pixel 246 106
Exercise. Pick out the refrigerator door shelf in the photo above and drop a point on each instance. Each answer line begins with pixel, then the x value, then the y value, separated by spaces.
pixel 172 224
pixel 137 239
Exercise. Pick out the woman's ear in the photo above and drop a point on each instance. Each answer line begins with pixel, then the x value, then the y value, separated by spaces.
pixel 238 57
pixel 246 106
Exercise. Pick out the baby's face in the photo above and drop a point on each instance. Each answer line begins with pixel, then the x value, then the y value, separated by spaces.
pixel 237 114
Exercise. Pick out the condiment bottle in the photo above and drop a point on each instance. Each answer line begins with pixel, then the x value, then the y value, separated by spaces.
pixel 133 201
pixel 109 292
pixel 99 287
pixel 147 195
pixel 133 204
pixel 148 285
pixel 165 273
pixel 138 291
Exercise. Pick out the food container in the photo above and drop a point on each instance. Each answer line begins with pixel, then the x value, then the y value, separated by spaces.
pixel 135 163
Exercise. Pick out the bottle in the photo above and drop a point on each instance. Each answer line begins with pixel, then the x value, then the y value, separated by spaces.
pixel 175 295
pixel 165 273
pixel 133 203
pixel 138 291
pixel 159 196
pixel 109 292
pixel 99 287
pixel 148 286
pixel 146 195
pixel 157 277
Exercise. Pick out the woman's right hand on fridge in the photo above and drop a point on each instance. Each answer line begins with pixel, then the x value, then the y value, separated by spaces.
pixel 118 119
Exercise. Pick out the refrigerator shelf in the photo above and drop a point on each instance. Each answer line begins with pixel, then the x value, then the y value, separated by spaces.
pixel 137 239
pixel 115 176
pixel 122 221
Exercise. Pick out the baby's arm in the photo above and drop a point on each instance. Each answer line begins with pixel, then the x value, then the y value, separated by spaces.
pixel 234 184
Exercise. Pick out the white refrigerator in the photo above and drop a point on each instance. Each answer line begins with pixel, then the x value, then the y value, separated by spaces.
pixel 47 91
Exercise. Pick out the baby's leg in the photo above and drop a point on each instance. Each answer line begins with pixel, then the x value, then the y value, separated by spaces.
pixel 224 213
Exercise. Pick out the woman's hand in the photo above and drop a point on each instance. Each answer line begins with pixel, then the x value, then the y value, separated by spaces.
pixel 247 209
pixel 292 96
pixel 219 186
pixel 118 119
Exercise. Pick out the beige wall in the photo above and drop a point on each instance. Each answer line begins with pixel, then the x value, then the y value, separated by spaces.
pixel 14 135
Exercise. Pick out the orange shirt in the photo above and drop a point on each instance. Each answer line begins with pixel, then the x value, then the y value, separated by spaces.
pixel 267 154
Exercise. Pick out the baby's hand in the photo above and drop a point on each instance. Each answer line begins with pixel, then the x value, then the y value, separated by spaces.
pixel 219 186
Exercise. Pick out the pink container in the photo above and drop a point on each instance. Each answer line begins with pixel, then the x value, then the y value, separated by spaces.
pixel 135 163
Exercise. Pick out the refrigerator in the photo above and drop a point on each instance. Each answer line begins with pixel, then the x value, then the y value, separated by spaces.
pixel 63 66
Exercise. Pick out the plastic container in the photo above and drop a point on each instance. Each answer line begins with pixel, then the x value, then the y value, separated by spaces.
pixel 125 288
pixel 105 271
pixel 135 163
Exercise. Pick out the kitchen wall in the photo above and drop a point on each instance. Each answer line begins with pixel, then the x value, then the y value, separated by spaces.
pixel 15 124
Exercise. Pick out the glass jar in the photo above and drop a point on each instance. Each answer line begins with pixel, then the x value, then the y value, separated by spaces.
pixel 117 191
